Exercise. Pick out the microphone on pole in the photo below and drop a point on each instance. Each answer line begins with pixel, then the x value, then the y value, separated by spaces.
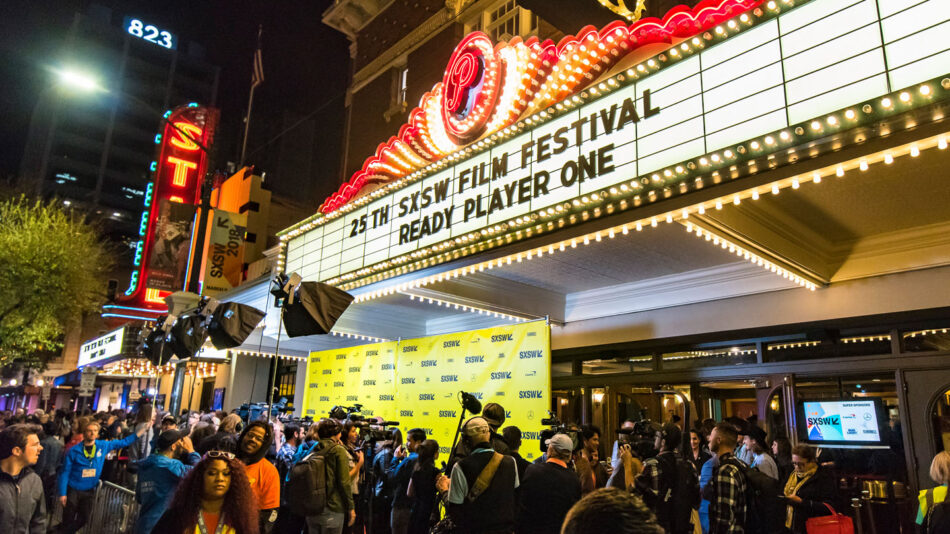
pixel 470 403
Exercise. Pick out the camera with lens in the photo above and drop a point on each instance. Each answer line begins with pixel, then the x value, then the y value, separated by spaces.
pixel 557 427
pixel 347 413
pixel 641 438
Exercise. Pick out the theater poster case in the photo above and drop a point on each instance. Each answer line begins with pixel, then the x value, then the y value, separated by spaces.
pixel 417 381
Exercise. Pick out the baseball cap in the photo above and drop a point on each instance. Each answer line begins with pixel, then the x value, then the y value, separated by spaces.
pixel 168 438
pixel 475 426
pixel 169 418
pixel 562 443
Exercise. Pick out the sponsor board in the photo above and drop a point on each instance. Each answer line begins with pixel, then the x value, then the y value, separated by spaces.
pixel 416 381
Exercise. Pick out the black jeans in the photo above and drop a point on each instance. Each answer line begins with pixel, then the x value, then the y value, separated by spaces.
pixel 78 509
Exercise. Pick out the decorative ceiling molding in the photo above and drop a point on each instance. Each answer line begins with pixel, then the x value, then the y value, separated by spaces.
pixel 922 247
pixel 702 285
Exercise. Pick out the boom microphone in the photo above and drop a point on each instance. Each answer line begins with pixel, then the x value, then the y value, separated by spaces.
pixel 470 403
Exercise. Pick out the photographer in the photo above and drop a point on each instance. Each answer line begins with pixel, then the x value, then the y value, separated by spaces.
pixel 482 490
pixel 548 490
pixel 383 490
pixel 625 428
pixel 668 483
pixel 399 474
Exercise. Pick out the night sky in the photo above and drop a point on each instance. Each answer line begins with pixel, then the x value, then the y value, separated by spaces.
pixel 305 65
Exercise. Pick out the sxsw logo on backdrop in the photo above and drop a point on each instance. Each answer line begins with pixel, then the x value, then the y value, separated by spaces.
pixel 405 413
pixel 447 413
pixel 338 384
pixel 527 354
pixel 498 338
pixel 410 348
pixel 372 353
pixel 450 344
pixel 426 396
pixel 354 369
pixel 530 394
pixel 314 359
pixel 387 367
pixel 352 398
pixel 451 378
pixel 387 397
pixel 501 375
pixel 327 371
pixel 475 359
pixel 427 363
pixel 478 395
pixel 341 356
pixel 532 334
pixel 369 382
pixel 313 385
pixel 408 380
pixel 324 399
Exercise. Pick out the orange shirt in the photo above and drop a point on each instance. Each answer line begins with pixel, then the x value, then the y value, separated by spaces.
pixel 265 483
pixel 211 521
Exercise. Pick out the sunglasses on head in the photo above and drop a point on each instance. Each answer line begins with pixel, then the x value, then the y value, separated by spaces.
pixel 220 454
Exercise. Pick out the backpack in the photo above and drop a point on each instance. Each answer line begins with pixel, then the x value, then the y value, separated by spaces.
pixel 679 494
pixel 765 510
pixel 306 486
pixel 938 518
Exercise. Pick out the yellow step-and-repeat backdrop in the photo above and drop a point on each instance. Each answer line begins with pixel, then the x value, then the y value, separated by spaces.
pixel 417 381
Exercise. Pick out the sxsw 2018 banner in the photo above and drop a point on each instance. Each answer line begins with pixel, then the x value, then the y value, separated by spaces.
pixel 417 381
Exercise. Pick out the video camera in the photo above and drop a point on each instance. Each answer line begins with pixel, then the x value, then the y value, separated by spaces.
pixel 557 427
pixel 254 411
pixel 371 430
pixel 641 438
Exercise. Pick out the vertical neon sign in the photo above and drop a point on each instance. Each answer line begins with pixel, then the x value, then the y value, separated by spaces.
pixel 165 229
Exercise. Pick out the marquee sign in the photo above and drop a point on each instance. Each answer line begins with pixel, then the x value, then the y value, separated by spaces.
pixel 572 121
pixel 163 251
pixel 107 347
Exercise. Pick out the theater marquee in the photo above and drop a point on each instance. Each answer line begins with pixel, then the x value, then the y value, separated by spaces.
pixel 528 132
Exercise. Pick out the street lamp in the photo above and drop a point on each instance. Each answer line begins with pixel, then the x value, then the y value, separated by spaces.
pixel 75 79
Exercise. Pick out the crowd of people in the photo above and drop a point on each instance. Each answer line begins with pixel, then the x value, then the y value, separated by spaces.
pixel 212 472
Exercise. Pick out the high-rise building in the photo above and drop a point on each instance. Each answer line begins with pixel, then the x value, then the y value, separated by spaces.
pixel 94 150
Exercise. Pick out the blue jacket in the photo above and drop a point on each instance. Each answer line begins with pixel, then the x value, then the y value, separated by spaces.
pixel 75 464
pixel 158 478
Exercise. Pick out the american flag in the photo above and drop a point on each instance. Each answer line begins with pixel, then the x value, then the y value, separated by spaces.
pixel 257 76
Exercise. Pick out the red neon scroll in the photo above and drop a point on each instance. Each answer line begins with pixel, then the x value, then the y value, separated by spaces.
pixel 486 89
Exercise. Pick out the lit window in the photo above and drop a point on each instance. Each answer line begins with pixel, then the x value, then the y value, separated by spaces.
pixel 398 94
pixel 401 84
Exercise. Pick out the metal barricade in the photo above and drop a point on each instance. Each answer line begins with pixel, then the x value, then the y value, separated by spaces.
pixel 115 511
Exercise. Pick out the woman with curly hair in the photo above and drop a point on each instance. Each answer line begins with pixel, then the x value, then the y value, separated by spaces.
pixel 215 498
